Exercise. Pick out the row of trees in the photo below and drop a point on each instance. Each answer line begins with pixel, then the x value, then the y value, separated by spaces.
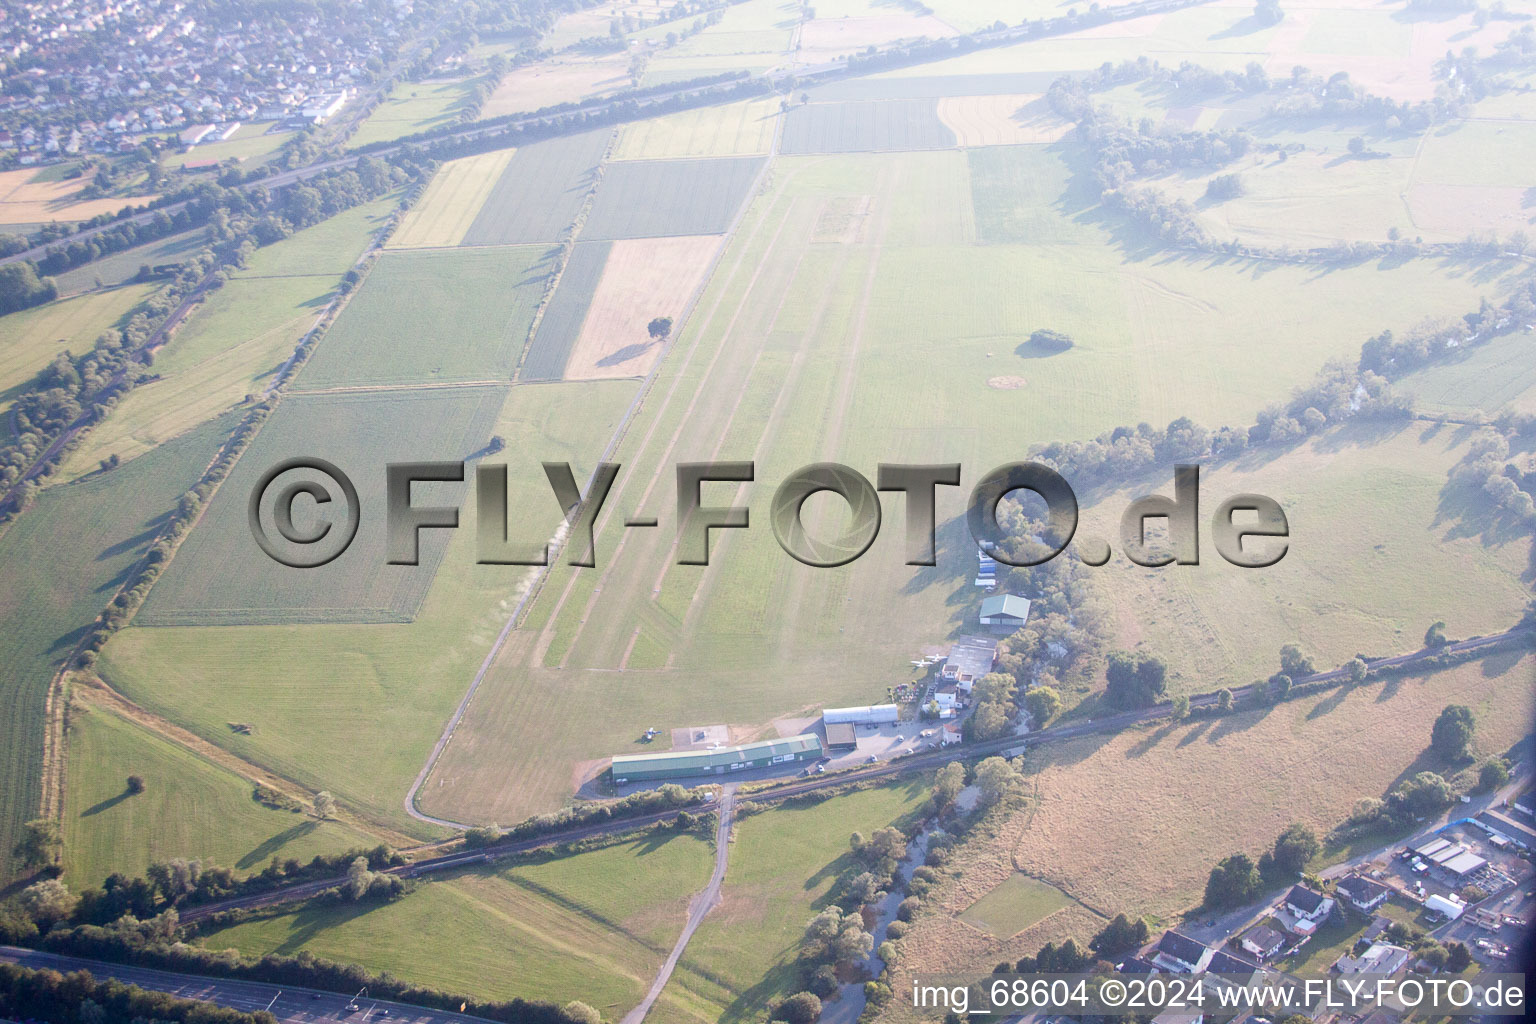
pixel 79 998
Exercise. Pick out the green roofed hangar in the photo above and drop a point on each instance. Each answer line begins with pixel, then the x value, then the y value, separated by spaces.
pixel 681 763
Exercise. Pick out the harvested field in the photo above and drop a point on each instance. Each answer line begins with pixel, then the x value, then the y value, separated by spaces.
pixel 1306 760
pixel 220 577
pixel 538 196
pixel 644 278
pixel 1001 120
pixel 652 198
pixel 28 197
pixel 865 126
pixel 552 82
pixel 451 202
pixel 563 316
pixel 828 38
pixel 732 129
pixel 431 317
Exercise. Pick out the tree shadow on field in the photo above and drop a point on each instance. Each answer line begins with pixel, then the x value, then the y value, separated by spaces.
pixel 1238 721
pixel 275 843
pixel 105 805
pixel 1329 703
pixel 1200 729
pixel 1153 738
pixel 147 533
pixel 953 547
pixel 1247 27
pixel 313 920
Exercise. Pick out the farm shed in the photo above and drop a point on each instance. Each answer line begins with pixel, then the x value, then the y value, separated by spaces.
pixel 683 763
pixel 877 714
pixel 1005 613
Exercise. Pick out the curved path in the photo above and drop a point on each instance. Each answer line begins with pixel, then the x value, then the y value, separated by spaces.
pixel 698 908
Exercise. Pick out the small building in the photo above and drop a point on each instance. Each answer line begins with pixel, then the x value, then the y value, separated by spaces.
pixel 1364 894
pixel 195 134
pixel 1262 941
pixel 970 658
pixel 949 735
pixel 680 764
pixel 1379 958
pixel 1448 907
pixel 841 734
pixel 875 714
pixel 1222 962
pixel 1137 965
pixel 1004 613
pixel 1180 954
pixel 1308 908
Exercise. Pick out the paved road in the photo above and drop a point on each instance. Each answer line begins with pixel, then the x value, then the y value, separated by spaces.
pixel 698 908
pixel 291 1005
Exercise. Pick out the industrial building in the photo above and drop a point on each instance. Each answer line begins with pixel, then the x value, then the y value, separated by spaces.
pixel 1005 613
pixel 680 764
pixel 877 714
pixel 841 734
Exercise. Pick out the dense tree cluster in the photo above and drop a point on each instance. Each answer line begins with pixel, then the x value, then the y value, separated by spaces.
pixel 1134 681
pixel 1451 737
pixel 78 998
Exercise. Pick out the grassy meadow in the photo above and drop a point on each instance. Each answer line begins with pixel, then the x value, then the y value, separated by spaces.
pixel 189 808
pixel 64 560
pixel 592 926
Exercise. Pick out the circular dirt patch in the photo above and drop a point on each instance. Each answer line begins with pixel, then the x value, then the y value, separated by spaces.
pixel 1007 383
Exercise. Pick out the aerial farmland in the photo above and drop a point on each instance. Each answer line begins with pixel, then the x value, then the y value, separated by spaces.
pixel 1290 245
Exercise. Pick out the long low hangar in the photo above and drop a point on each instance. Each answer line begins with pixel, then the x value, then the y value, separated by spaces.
pixel 718 761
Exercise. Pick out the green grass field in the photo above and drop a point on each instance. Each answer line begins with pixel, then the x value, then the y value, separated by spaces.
pixel 356 708
pixel 62 562
pixel 31 338
pixel 539 195
pixel 1489 377
pixel 567 310
pixel 650 198
pixel 783 866
pixel 413 107
pixel 252 145
pixel 433 317
pixel 189 808
pixel 875 126
pixel 732 129
pixel 756 26
pixel 1017 904
pixel 121 268
pixel 220 577
pixel 235 342
pixel 593 926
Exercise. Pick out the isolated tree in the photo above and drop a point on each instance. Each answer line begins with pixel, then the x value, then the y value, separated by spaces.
pixel 1294 663
pixel 1224 699
pixel 1356 146
pixel 135 784
pixel 1042 703
pixel 1294 848
pixel 1232 882
pixel 948 784
pixel 325 805
pixel 359 878
pixel 1281 684
pixel 48 902
pixel 1434 636
pixel 997 779
pixel 1134 681
pixel 800 1008
pixel 1357 669
pixel 578 1012
pixel 1180 708
pixel 1452 735
pixel 1268 12
pixel 1493 774
pixel 659 328
pixel 40 843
